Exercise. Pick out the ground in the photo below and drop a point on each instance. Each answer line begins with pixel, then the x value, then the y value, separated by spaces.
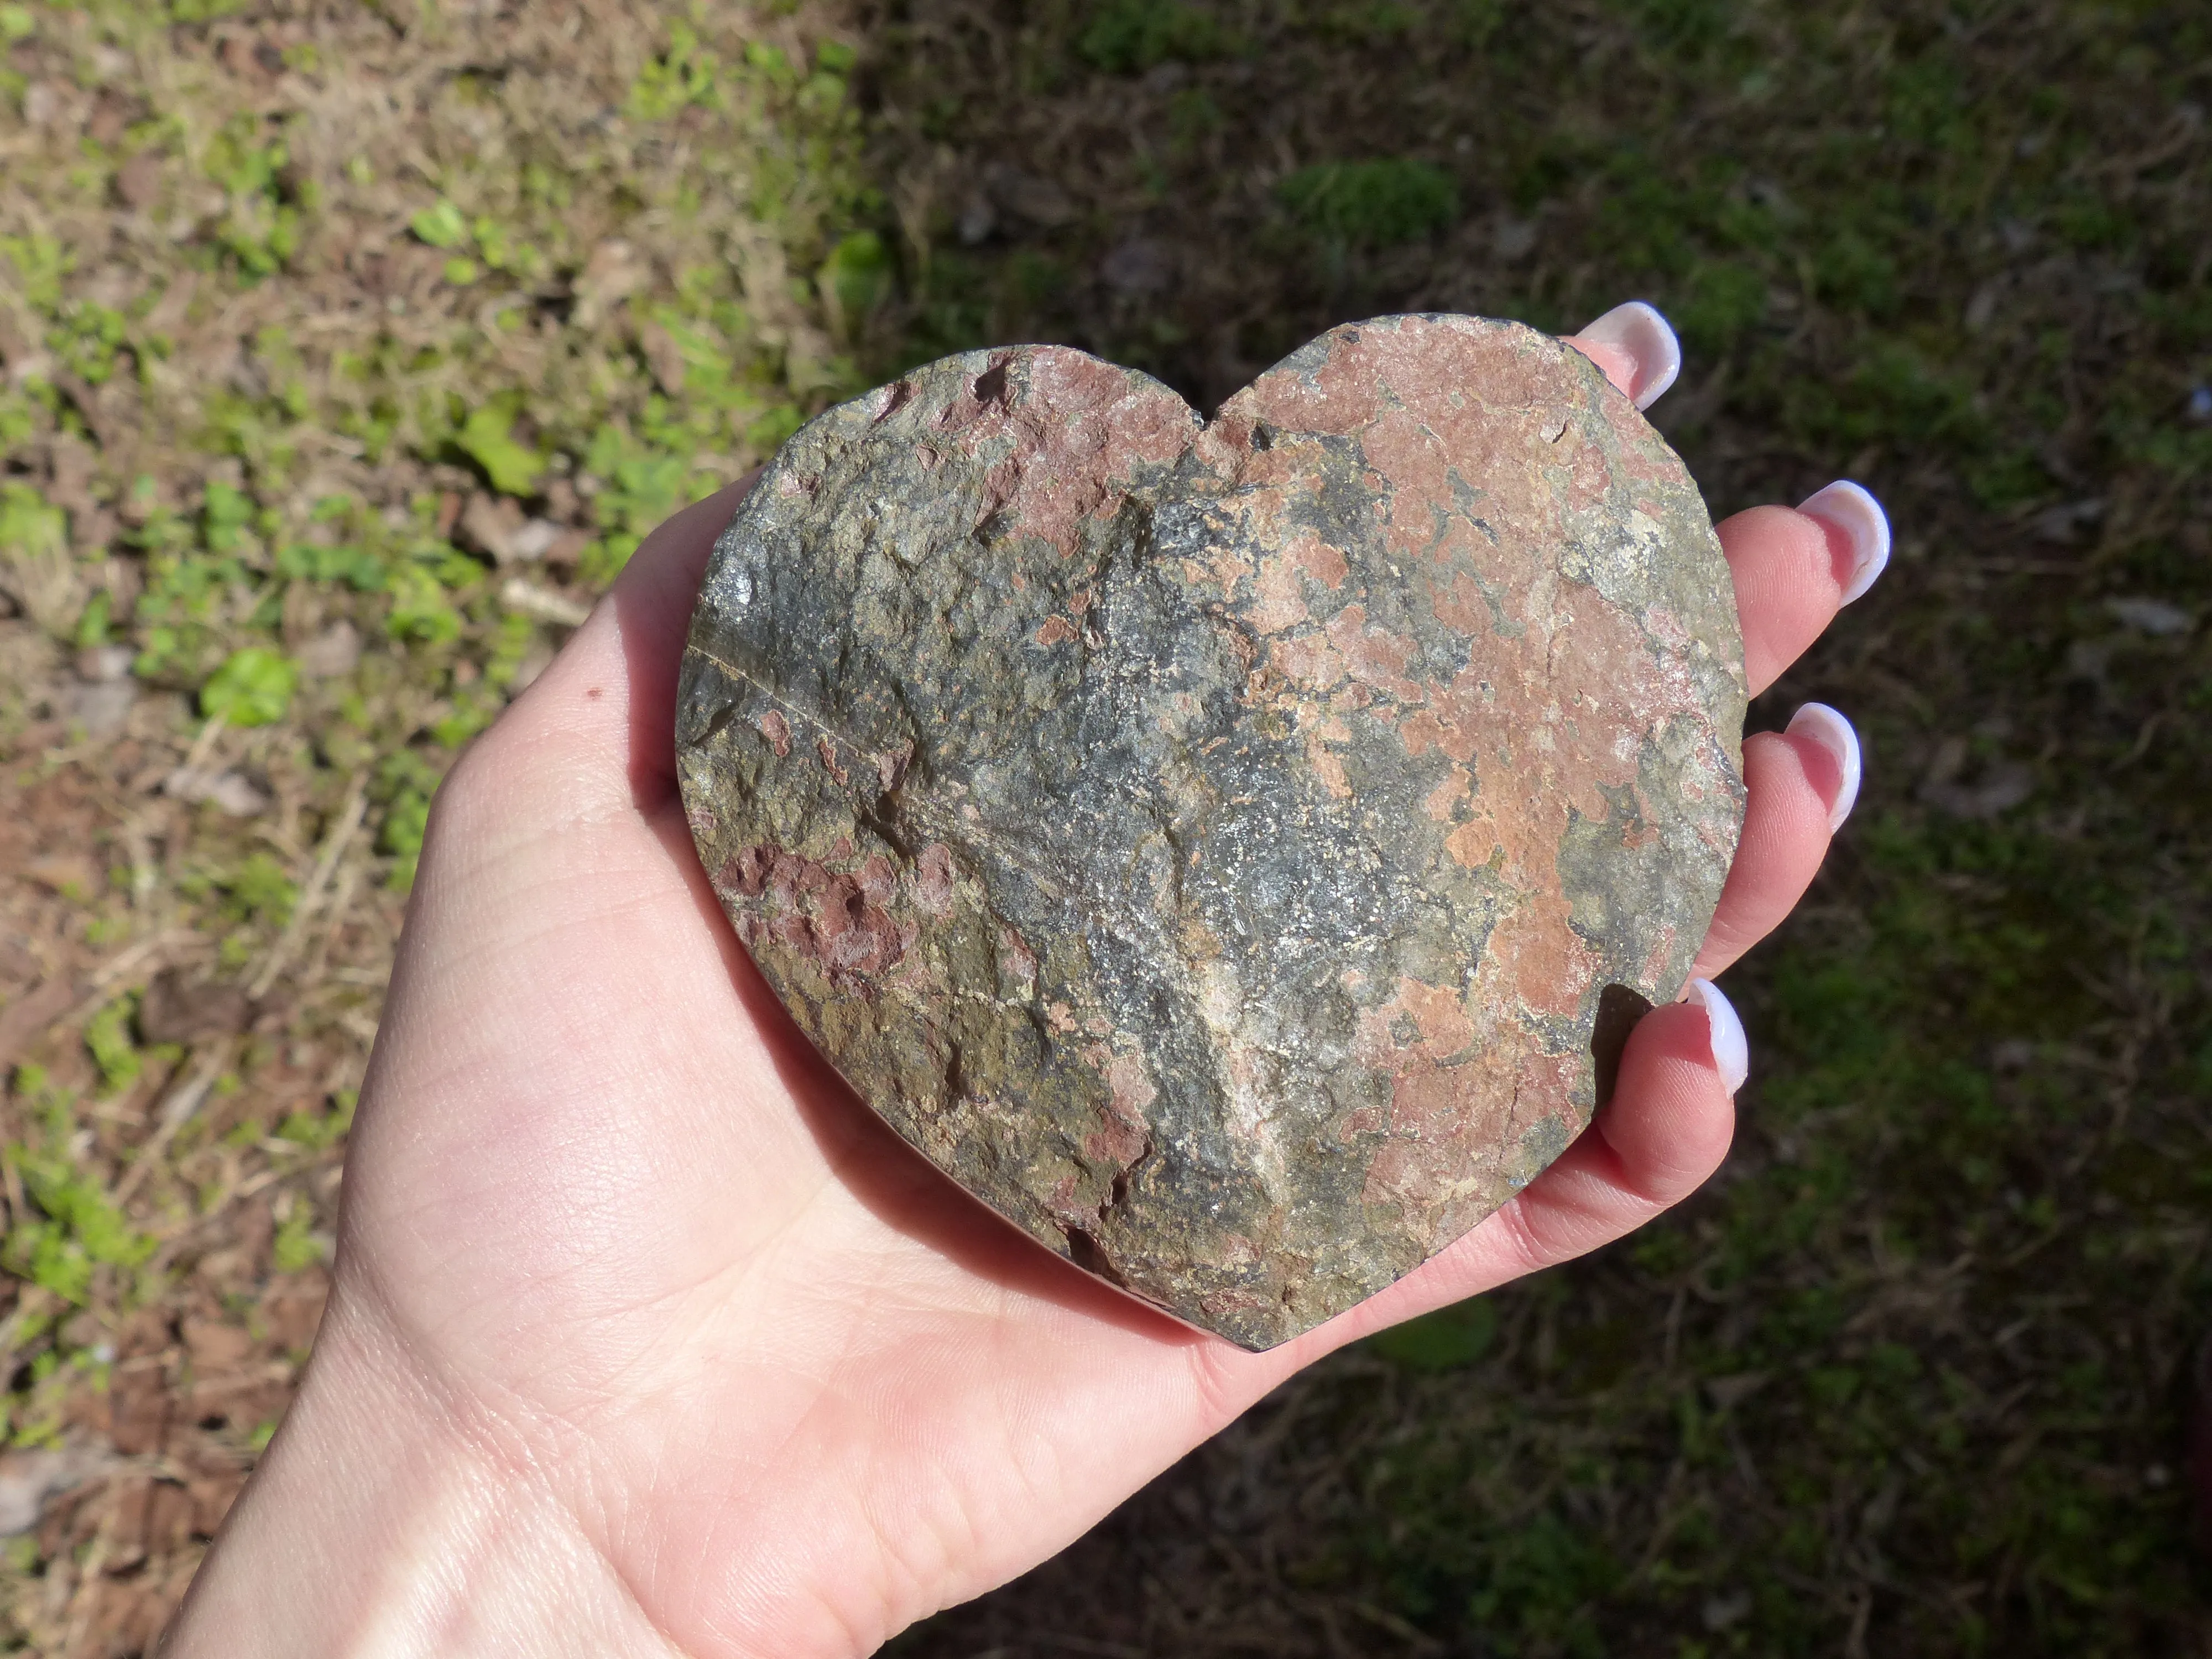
pixel 349 348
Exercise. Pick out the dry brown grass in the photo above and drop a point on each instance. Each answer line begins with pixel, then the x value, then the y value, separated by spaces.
pixel 239 377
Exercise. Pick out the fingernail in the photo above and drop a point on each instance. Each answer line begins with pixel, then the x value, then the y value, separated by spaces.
pixel 1832 732
pixel 1731 1054
pixel 1643 333
pixel 1854 511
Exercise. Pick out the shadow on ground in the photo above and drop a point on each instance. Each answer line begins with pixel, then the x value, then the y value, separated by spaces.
pixel 1906 1378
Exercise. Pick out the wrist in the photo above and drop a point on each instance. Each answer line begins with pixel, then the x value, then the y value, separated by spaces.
pixel 383 1523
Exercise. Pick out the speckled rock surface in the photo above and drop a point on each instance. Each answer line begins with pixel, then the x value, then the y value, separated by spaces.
pixel 1216 846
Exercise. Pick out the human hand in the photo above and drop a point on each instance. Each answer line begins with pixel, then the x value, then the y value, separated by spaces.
pixel 647 1337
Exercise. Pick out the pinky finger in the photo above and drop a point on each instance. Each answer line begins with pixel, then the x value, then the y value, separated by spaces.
pixel 1666 1130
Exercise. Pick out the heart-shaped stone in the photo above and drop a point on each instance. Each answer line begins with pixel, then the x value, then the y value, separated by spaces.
pixel 1231 851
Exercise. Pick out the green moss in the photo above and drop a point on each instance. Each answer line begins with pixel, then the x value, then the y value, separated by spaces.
pixel 30 530
pixel 107 1038
pixel 1447 1340
pixel 1125 36
pixel 259 890
pixel 486 438
pixel 82 1229
pixel 253 687
pixel 315 1132
pixel 295 1248
pixel 405 821
pixel 1371 204
pixel 441 225
pixel 687 74
pixel 856 278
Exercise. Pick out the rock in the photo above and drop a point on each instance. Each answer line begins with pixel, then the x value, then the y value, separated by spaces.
pixel 978 219
pixel 2152 616
pixel 233 792
pixel 103 708
pixel 42 105
pixel 535 539
pixel 1233 851
pixel 332 654
pixel 105 665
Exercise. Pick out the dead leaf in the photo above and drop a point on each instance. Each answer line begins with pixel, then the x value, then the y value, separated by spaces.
pixel 611 275
pixel 29 1478
pixel 138 181
pixel 489 525
pixel 212 1495
pixel 70 465
pixel 332 653
pixel 65 873
pixel 138 1410
pixel 150 1517
pixel 171 1010
pixel 1025 196
pixel 545 605
pixel 93 529
pixel 31 1013
pixel 663 357
pixel 215 1346
pixel 233 791
pixel 16 961
pixel 102 665
pixel 293 1313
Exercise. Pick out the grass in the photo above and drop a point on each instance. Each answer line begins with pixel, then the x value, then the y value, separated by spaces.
pixel 350 349
pixel 1907 1378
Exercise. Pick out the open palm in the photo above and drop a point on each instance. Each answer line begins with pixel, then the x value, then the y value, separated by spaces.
pixel 647 1336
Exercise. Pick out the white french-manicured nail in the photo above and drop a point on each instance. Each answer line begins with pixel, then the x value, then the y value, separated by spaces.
pixel 1832 732
pixel 1644 332
pixel 1852 509
pixel 1731 1053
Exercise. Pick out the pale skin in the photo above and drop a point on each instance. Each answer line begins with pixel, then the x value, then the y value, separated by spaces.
pixel 645 1337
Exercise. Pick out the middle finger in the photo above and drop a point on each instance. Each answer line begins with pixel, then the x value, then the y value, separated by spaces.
pixel 1794 568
